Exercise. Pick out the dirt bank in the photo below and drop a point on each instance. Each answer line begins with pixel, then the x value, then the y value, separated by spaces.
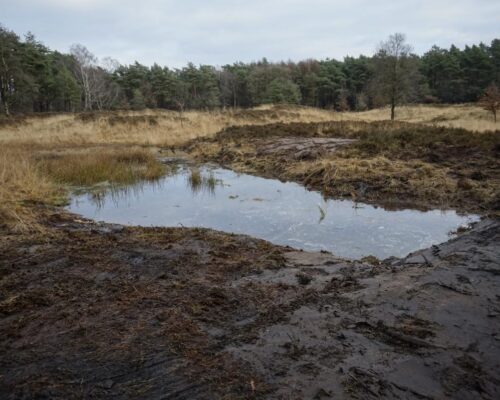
pixel 103 311
pixel 391 164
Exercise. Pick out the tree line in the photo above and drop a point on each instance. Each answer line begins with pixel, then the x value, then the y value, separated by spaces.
pixel 34 78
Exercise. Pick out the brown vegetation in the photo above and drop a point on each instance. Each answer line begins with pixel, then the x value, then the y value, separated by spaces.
pixel 21 182
pixel 154 128
pixel 490 100
pixel 35 176
pixel 41 153
pixel 88 167
pixel 466 116
pixel 389 163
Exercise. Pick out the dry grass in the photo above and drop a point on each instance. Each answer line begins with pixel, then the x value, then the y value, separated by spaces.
pixel 40 155
pixel 83 168
pixel 31 176
pixel 21 182
pixel 167 128
pixel 390 163
pixel 149 127
pixel 466 116
pixel 33 167
pixel 199 182
pixel 388 180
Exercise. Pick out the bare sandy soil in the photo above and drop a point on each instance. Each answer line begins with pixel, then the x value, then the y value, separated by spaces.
pixel 104 311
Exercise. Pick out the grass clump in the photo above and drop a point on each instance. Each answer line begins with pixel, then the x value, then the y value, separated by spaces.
pixel 195 179
pixel 21 183
pixel 119 166
pixel 406 141
pixel 29 176
pixel 198 182
pixel 385 178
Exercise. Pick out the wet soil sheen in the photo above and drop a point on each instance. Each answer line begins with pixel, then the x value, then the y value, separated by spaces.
pixel 98 311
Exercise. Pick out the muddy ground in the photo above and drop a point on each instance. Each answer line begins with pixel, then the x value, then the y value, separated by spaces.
pixel 92 310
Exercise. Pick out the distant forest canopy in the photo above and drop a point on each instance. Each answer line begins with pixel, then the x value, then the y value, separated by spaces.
pixel 34 78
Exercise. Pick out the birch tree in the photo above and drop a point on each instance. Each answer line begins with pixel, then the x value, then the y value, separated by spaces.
pixel 85 63
pixel 10 68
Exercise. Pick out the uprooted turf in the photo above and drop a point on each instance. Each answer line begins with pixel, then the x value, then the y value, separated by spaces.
pixel 387 163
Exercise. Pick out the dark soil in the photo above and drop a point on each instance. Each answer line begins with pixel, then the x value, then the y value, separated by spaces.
pixel 98 311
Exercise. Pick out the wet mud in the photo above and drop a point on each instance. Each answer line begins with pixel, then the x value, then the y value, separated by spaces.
pixel 91 310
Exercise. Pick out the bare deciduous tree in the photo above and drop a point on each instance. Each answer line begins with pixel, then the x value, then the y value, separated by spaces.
pixel 10 68
pixel 98 88
pixel 228 86
pixel 395 70
pixel 181 96
pixel 490 100
pixel 105 92
pixel 85 63
pixel 110 65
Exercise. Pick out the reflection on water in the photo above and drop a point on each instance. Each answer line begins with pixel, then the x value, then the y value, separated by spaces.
pixel 283 213
pixel 199 181
pixel 322 214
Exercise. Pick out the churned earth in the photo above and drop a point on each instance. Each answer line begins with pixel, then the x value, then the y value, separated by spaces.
pixel 94 310
pixel 393 164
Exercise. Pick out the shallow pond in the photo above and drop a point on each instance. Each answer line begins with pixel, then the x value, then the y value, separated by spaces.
pixel 283 213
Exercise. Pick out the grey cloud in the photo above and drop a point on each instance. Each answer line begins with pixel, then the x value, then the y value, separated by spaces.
pixel 223 31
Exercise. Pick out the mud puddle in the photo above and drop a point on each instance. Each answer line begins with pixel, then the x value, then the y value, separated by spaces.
pixel 282 213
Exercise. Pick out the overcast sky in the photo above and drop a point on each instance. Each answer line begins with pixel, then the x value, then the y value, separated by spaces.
pixel 218 32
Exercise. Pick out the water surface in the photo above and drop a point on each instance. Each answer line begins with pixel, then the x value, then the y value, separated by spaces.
pixel 283 213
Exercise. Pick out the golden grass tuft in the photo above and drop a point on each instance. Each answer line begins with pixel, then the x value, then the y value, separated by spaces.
pixel 21 182
pixel 84 167
pixel 340 176
pixel 31 176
